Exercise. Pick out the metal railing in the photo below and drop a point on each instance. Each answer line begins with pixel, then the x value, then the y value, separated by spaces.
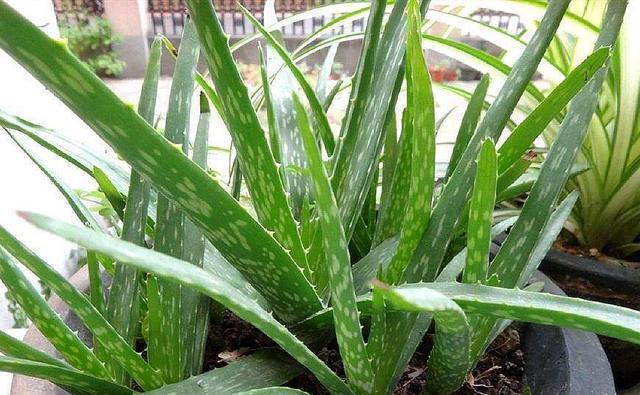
pixel 167 16
pixel 70 12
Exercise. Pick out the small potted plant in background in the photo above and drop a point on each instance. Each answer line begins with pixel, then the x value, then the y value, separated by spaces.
pixel 320 248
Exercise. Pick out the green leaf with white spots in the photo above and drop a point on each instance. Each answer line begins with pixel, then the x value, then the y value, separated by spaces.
pixel 428 257
pixel 468 123
pixel 72 349
pixel 449 360
pixel 421 120
pixel 79 155
pixel 274 391
pixel 325 73
pixel 195 306
pixel 123 304
pixel 319 116
pixel 528 130
pixel 114 345
pixel 281 107
pixel 78 382
pixel 260 369
pixel 538 308
pixel 347 322
pixel 483 201
pixel 174 347
pixel 169 268
pixel 258 167
pixel 12 347
pixel 225 223
pixel 393 203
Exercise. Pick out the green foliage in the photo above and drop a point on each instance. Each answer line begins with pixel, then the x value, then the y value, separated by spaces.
pixel 91 39
pixel 287 260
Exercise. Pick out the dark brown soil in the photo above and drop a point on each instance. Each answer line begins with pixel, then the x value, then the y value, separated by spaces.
pixel 499 372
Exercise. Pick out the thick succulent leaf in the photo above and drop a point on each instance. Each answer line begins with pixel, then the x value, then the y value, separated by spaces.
pixel 516 249
pixel 123 304
pixel 280 105
pixel 258 167
pixel 393 203
pixel 322 90
pixel 320 117
pixel 361 141
pixel 483 201
pixel 548 237
pixel 449 360
pixel 528 130
pixel 275 391
pixel 73 350
pixel 421 114
pixel 170 358
pixel 195 306
pixel 261 369
pixel 524 183
pixel 169 268
pixel 468 124
pixel 82 383
pixel 538 308
pixel 12 347
pixel 116 347
pixel 225 223
pixel 79 155
pixel 347 320
pixel 426 262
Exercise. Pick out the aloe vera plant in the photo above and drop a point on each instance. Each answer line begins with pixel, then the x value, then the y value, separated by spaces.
pixel 322 253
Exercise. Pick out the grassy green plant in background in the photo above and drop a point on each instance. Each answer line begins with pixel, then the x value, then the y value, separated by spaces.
pixel 300 263
pixel 91 39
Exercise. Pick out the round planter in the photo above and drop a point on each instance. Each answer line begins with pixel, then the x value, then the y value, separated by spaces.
pixel 606 282
pixel 558 361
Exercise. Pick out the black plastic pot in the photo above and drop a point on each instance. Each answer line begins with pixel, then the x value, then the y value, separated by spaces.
pixel 558 361
pixel 604 282
pixel 564 361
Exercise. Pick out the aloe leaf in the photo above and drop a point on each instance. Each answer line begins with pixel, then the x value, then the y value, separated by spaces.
pixel 468 124
pixel 195 306
pixel 548 236
pixel 258 167
pixel 449 360
pixel 123 304
pixel 325 74
pixel 483 200
pixel 64 377
pixel 206 203
pixel 78 155
pixel 510 260
pixel 603 319
pixel 274 142
pixel 421 114
pixel 275 391
pixel 286 127
pixel 12 347
pixel 73 350
pixel 110 191
pixel 316 107
pixel 116 347
pixel 394 202
pixel 349 334
pixel 260 369
pixel 524 135
pixel 377 328
pixel 171 357
pixel 169 268
pixel 426 261
pixel 361 140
